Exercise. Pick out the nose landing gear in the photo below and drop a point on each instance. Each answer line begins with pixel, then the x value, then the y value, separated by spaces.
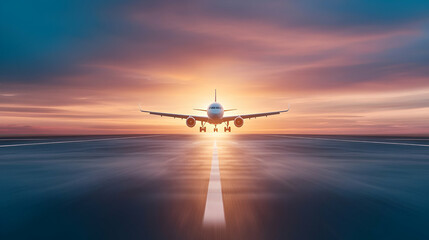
pixel 215 129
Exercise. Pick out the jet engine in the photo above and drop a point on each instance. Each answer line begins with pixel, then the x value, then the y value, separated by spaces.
pixel 238 122
pixel 190 122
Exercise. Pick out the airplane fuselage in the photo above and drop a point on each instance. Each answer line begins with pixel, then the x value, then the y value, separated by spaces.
pixel 215 113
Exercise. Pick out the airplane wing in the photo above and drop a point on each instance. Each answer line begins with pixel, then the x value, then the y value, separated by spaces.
pixel 255 115
pixel 173 115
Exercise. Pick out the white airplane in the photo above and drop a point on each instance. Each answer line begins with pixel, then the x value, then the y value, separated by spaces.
pixel 215 116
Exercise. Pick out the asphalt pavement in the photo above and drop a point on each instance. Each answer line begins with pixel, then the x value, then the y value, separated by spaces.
pixel 214 186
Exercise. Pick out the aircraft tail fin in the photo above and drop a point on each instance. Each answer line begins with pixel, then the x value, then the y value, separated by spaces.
pixel 215 96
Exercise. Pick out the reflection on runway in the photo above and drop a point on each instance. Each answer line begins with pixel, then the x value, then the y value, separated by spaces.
pixel 214 187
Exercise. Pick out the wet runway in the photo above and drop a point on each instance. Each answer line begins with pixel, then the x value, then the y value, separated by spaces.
pixel 214 187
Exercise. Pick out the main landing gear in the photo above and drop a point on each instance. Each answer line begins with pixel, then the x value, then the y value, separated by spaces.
pixel 227 128
pixel 203 128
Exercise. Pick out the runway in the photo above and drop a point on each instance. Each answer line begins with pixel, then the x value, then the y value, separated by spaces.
pixel 214 187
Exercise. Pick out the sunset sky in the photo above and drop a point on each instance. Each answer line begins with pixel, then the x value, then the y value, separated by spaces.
pixel 82 67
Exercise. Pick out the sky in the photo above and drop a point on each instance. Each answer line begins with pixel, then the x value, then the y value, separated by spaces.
pixel 345 67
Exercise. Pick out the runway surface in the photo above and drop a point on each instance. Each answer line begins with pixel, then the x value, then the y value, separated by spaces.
pixel 214 187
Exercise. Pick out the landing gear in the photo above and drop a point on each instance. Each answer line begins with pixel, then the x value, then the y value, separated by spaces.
pixel 203 127
pixel 215 129
pixel 227 128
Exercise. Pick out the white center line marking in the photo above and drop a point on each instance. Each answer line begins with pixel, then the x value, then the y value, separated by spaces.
pixel 359 141
pixel 71 141
pixel 214 213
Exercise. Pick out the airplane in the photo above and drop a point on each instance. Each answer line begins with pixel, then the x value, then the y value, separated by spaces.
pixel 214 116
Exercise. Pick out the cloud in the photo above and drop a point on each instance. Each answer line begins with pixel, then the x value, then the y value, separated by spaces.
pixel 66 60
